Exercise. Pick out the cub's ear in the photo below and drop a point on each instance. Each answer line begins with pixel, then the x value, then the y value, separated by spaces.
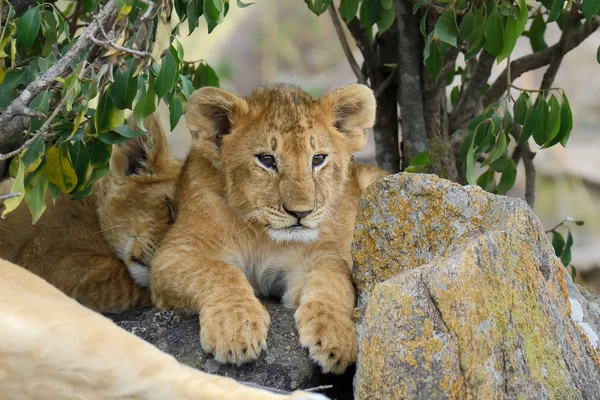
pixel 211 114
pixel 145 154
pixel 352 109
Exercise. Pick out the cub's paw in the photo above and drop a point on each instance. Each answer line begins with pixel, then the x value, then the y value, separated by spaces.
pixel 329 335
pixel 235 333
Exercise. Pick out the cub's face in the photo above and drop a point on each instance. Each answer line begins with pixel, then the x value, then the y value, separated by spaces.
pixel 136 207
pixel 284 154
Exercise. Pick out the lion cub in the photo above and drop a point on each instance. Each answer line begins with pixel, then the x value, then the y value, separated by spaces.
pixel 97 250
pixel 267 201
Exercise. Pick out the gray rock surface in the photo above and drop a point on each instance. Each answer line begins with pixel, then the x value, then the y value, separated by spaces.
pixel 461 296
pixel 284 365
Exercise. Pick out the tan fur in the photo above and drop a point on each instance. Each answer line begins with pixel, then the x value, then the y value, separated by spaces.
pixel 81 246
pixel 52 348
pixel 226 241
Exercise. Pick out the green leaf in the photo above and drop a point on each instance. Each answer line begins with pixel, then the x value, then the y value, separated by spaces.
pixel 111 137
pixel 59 168
pixel 421 159
pixel 205 76
pixel 540 120
pixel 446 28
pixel 145 106
pixel 386 20
pixel 17 187
pixel 99 153
pixel 418 5
pixel 213 11
pixel 565 257
pixel 578 223
pixel 536 33
pixel 500 164
pixel 195 9
pixel 470 166
pixel 175 111
pixel 387 4
pixel 107 115
pixel 557 6
pixel 40 103
pixel 241 4
pixel 433 64
pixel 507 180
pixel 370 12
pixel 28 27
pixel 36 199
pixel 553 126
pixel 494 33
pixel 187 87
pixel 481 132
pixel 12 81
pixel 125 87
pixel 33 155
pixel 507 122
pixel 497 151
pixel 522 105
pixel 566 121
pixel 54 192
pixel 528 126
pixel 558 242
pixel 124 131
pixel 81 163
pixel 598 55
pixel 487 181
pixel 464 149
pixel 348 9
pixel 514 29
pixel 423 24
pixel 318 6
pixel 467 24
pixel 590 8
pixel 167 76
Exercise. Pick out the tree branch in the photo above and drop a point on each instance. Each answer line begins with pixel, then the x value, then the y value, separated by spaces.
pixel 9 196
pixel 463 112
pixel 537 60
pixel 366 49
pixel 339 30
pixel 61 68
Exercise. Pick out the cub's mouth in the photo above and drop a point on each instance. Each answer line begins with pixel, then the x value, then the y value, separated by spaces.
pixel 295 233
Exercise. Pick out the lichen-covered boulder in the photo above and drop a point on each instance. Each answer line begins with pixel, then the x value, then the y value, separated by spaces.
pixel 285 365
pixel 461 297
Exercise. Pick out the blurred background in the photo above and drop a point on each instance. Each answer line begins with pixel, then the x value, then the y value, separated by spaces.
pixel 275 41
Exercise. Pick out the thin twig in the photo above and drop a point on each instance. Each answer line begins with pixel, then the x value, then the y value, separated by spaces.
pixel 339 30
pixel 366 48
pixel 109 43
pixel 387 82
pixel 318 388
pixel 9 196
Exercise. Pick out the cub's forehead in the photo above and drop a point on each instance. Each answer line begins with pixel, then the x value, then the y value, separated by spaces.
pixel 284 109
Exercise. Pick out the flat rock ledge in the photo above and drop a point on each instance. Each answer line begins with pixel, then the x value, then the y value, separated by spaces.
pixel 460 296
pixel 284 365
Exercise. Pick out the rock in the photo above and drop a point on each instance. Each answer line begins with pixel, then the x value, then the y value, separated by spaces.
pixel 285 365
pixel 460 296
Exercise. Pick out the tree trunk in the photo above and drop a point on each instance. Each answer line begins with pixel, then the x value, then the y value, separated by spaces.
pixel 410 97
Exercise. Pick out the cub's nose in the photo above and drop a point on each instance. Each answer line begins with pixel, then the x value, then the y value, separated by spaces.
pixel 297 214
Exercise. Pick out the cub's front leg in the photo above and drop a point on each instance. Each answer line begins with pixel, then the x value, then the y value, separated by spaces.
pixel 325 315
pixel 233 323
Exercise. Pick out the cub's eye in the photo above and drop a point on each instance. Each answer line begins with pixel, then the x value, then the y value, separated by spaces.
pixel 318 160
pixel 267 160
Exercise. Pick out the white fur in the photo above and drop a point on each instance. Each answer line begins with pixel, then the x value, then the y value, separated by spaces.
pixel 302 235
pixel 140 273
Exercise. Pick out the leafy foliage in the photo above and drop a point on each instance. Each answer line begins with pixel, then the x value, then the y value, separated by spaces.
pixel 562 247
pixel 74 151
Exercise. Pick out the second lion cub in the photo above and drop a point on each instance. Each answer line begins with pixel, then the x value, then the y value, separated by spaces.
pixel 267 201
